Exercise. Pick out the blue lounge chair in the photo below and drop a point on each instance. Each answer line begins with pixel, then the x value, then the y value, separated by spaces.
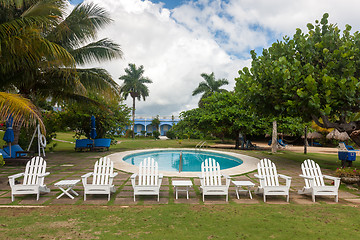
pixel 102 143
pixel 83 144
pixel 17 156
pixel 281 142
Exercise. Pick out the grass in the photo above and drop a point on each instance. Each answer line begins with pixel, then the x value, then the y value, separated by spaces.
pixel 183 222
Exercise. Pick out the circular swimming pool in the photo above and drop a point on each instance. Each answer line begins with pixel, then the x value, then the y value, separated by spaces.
pixel 169 160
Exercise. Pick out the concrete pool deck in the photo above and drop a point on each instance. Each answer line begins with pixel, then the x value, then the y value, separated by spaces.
pixel 249 163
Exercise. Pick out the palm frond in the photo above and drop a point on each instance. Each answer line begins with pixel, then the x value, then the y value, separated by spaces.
pixel 99 79
pixel 80 26
pixel 21 109
pixel 102 50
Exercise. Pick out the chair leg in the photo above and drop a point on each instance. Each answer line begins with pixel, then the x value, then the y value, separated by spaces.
pixel 158 197
pixel 84 197
pixel 264 197
pixel 288 198
pixel 226 197
pixel 134 197
pixel 203 197
pixel 313 197
pixel 337 198
pixel 37 196
pixel 109 197
pixel 12 197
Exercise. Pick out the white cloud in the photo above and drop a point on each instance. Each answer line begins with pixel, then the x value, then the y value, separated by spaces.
pixel 176 46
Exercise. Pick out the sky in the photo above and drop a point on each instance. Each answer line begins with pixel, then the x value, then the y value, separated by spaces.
pixel 178 40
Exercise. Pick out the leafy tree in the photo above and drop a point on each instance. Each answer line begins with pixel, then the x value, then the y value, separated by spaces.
pixel 39 51
pixel 314 76
pixel 134 84
pixel 225 115
pixel 209 86
pixel 109 122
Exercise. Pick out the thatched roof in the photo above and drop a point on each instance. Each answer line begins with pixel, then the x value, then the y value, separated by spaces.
pixel 313 135
pixel 335 134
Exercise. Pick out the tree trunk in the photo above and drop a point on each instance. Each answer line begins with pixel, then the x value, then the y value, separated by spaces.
pixel 305 141
pixel 274 138
pixel 355 136
pixel 237 142
pixel 16 129
pixel 133 118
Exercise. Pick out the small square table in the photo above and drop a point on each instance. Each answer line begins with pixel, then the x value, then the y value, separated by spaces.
pixel 240 184
pixel 182 183
pixel 68 184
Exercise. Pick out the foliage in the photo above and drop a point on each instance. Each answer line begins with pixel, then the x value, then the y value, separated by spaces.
pixel 312 76
pixel 188 127
pixel 347 172
pixel 209 86
pixel 171 134
pixel 128 133
pixel 109 120
pixel 155 122
pixel 134 84
pixel 156 134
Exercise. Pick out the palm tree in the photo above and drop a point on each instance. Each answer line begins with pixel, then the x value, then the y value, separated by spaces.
pixel 45 68
pixel 19 108
pixel 209 86
pixel 134 84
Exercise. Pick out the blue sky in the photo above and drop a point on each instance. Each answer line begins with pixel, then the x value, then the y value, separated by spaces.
pixel 176 41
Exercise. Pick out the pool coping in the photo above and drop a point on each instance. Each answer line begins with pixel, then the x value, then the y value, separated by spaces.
pixel 249 163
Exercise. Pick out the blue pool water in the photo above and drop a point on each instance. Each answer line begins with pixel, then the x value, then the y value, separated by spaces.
pixel 168 160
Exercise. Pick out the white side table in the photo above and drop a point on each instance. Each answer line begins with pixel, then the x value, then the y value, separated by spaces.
pixel 182 183
pixel 240 184
pixel 68 184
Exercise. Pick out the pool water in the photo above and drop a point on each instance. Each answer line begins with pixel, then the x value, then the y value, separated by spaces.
pixel 168 160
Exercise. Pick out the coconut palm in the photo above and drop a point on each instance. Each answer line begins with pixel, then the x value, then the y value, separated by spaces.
pixel 209 86
pixel 134 84
pixel 52 75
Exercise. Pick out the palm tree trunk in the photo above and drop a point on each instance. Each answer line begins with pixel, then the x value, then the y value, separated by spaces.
pixel 274 138
pixel 133 118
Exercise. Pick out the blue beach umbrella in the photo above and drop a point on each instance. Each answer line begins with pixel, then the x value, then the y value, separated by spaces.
pixel 9 133
pixel 93 128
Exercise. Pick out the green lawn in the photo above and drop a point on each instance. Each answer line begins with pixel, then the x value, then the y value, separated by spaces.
pixel 232 221
pixel 185 221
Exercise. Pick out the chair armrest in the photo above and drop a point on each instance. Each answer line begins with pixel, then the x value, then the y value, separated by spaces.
pixel 228 179
pixel 133 176
pixel 287 178
pixel 331 177
pixel 258 176
pixel 85 176
pixel 161 176
pixel 16 175
pixel 307 177
pixel 114 174
pixel 44 174
pixel 284 176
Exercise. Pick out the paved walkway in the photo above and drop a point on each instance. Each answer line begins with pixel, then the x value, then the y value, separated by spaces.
pixel 71 165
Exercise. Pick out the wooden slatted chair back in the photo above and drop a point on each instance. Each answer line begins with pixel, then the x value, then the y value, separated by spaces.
pixel 311 169
pixel 103 168
pixel 34 167
pixel 267 169
pixel 148 172
pixel 210 171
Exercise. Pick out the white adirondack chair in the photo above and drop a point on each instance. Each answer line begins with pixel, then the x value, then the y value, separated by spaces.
pixel 314 181
pixel 102 178
pixel 149 179
pixel 269 180
pixel 33 182
pixel 211 179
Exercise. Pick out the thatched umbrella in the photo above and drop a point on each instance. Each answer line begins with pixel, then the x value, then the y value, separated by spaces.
pixel 312 136
pixel 335 134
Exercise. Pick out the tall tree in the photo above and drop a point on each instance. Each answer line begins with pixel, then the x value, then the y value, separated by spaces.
pixel 134 84
pixel 53 47
pixel 209 86
pixel 314 76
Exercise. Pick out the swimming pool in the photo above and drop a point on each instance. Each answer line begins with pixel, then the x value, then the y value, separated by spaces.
pixel 169 160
